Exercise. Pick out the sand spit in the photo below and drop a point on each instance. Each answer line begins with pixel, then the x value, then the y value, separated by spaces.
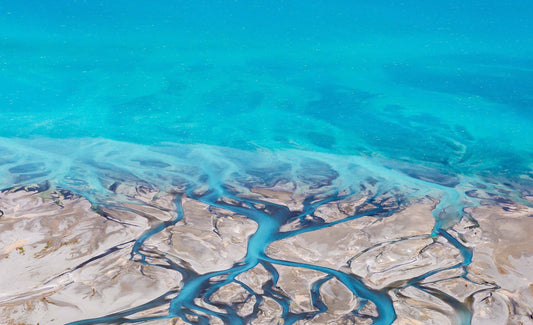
pixel 64 259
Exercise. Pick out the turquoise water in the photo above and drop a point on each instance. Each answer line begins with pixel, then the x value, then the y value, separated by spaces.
pixel 448 84
pixel 426 98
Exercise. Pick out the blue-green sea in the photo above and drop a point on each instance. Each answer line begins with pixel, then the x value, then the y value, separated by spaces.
pixel 428 98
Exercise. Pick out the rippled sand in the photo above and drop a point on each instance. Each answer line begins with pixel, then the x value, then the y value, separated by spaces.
pixel 341 262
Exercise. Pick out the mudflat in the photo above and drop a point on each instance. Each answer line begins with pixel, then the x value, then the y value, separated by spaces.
pixel 345 261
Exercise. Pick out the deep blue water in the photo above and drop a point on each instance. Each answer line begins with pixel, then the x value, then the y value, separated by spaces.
pixel 425 97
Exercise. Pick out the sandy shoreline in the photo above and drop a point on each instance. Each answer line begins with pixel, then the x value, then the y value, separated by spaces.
pixel 64 259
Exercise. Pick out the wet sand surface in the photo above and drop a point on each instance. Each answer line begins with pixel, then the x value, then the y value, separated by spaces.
pixel 199 257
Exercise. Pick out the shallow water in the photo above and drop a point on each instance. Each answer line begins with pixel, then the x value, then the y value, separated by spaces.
pixel 212 101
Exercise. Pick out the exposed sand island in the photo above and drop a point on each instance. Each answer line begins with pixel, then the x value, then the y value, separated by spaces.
pixel 64 259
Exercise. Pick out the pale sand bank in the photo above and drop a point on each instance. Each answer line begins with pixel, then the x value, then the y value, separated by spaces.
pixel 64 260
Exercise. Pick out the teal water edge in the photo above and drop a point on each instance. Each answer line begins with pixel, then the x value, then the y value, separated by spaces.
pixel 220 97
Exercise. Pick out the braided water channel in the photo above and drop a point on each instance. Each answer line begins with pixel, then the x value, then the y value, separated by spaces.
pixel 270 218
pixel 400 244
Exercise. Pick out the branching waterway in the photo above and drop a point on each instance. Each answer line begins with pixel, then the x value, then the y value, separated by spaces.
pixel 377 232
